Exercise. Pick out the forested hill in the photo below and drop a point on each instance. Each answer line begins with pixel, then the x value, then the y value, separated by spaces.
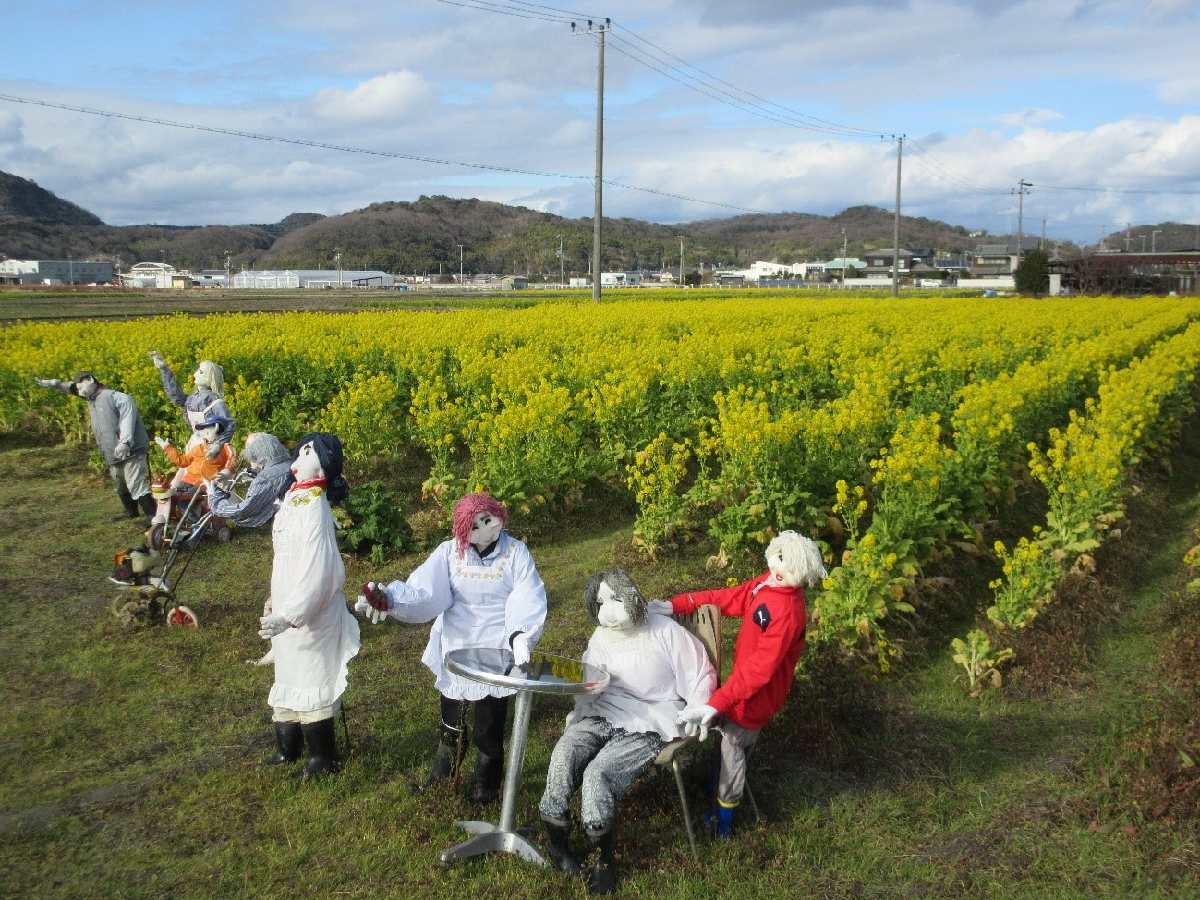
pixel 424 236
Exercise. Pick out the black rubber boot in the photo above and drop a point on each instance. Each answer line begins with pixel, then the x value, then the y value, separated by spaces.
pixel 131 507
pixel 558 840
pixel 289 738
pixel 489 771
pixel 321 742
pixel 149 508
pixel 602 879
pixel 451 748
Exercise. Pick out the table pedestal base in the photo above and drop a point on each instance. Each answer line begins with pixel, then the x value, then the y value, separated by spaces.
pixel 489 838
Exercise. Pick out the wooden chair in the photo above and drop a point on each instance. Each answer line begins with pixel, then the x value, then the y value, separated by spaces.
pixel 704 623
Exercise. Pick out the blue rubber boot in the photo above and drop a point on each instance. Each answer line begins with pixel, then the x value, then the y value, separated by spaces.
pixel 724 821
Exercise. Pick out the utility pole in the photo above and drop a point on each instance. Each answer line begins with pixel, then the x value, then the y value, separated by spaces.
pixel 337 256
pixel 1143 243
pixel 895 225
pixel 843 259
pixel 1127 237
pixel 598 213
pixel 681 260
pixel 1022 189
pixel 562 264
pixel 1154 239
pixel 460 265
pixel 227 267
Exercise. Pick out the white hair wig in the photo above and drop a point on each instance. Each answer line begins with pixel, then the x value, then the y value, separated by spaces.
pixel 801 564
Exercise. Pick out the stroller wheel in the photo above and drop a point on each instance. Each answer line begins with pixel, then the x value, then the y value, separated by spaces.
pixel 182 617
pixel 156 536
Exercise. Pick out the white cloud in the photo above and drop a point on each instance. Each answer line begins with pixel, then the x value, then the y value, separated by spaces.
pixel 1032 116
pixel 384 96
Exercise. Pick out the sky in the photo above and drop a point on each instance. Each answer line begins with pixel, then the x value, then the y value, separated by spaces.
pixel 794 109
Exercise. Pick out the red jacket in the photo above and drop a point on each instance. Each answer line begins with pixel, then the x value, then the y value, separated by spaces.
pixel 764 658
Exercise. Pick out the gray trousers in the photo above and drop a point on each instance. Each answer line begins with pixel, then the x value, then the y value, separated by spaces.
pixel 131 476
pixel 602 760
pixel 736 744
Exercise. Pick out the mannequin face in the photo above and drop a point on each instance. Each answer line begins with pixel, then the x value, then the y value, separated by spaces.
pixel 201 379
pixel 612 612
pixel 485 529
pixel 307 466
pixel 207 434
pixel 87 388
pixel 775 562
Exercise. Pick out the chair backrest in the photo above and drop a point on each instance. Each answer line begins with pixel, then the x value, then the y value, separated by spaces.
pixel 705 623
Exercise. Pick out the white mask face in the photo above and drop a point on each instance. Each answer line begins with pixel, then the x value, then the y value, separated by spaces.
pixel 307 466
pixel 775 564
pixel 612 613
pixel 87 388
pixel 200 378
pixel 485 529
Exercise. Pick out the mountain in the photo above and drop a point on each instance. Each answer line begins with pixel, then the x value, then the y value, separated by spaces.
pixel 21 198
pixel 1171 236
pixel 425 236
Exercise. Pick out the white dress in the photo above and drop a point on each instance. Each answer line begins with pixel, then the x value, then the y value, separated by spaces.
pixel 307 575
pixel 477 602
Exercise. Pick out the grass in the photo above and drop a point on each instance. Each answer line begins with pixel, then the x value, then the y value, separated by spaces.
pixel 130 761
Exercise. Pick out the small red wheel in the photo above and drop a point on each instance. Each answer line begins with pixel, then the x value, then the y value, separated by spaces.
pixel 182 617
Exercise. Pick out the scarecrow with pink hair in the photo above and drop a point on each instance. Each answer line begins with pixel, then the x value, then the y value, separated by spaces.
pixel 481 589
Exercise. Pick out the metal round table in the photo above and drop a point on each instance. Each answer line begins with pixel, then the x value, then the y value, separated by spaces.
pixel 544 674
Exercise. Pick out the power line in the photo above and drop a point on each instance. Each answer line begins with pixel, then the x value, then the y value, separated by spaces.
pixel 628 50
pixel 364 151
pixel 659 59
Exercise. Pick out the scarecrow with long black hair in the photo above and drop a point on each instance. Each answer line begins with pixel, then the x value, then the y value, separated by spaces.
pixel 312 632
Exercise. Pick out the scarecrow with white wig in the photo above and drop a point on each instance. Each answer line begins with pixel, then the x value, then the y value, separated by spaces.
pixel 656 669
pixel 772 609
pixel 207 401
pixel 270 463
pixel 481 589
pixel 313 635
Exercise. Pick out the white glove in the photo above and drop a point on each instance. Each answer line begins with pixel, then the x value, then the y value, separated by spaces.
pixel 157 359
pixel 47 382
pixel 121 451
pixel 272 626
pixel 368 612
pixel 660 608
pixel 521 650
pixel 695 720
pixel 162 441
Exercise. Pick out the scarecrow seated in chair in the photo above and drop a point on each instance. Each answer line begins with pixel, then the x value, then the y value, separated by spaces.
pixel 657 669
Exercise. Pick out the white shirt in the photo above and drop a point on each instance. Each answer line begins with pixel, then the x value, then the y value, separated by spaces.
pixel 477 602
pixel 306 589
pixel 656 669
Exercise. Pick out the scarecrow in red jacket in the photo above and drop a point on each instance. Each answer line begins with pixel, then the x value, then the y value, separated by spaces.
pixel 772 608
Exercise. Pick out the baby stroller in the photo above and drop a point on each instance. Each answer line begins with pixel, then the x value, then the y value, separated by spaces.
pixel 148 599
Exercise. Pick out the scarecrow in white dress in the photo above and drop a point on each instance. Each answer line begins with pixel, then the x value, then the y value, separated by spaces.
pixel 312 632
pixel 481 589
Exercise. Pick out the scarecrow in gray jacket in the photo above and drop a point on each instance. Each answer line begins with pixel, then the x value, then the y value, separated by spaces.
pixel 270 463
pixel 206 401
pixel 121 437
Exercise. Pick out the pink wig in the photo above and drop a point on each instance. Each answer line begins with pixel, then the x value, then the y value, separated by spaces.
pixel 465 511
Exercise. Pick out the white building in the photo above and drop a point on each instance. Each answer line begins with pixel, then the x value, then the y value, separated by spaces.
pixel 312 278
pixel 149 275
pixel 55 271
pixel 620 279
pixel 760 269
